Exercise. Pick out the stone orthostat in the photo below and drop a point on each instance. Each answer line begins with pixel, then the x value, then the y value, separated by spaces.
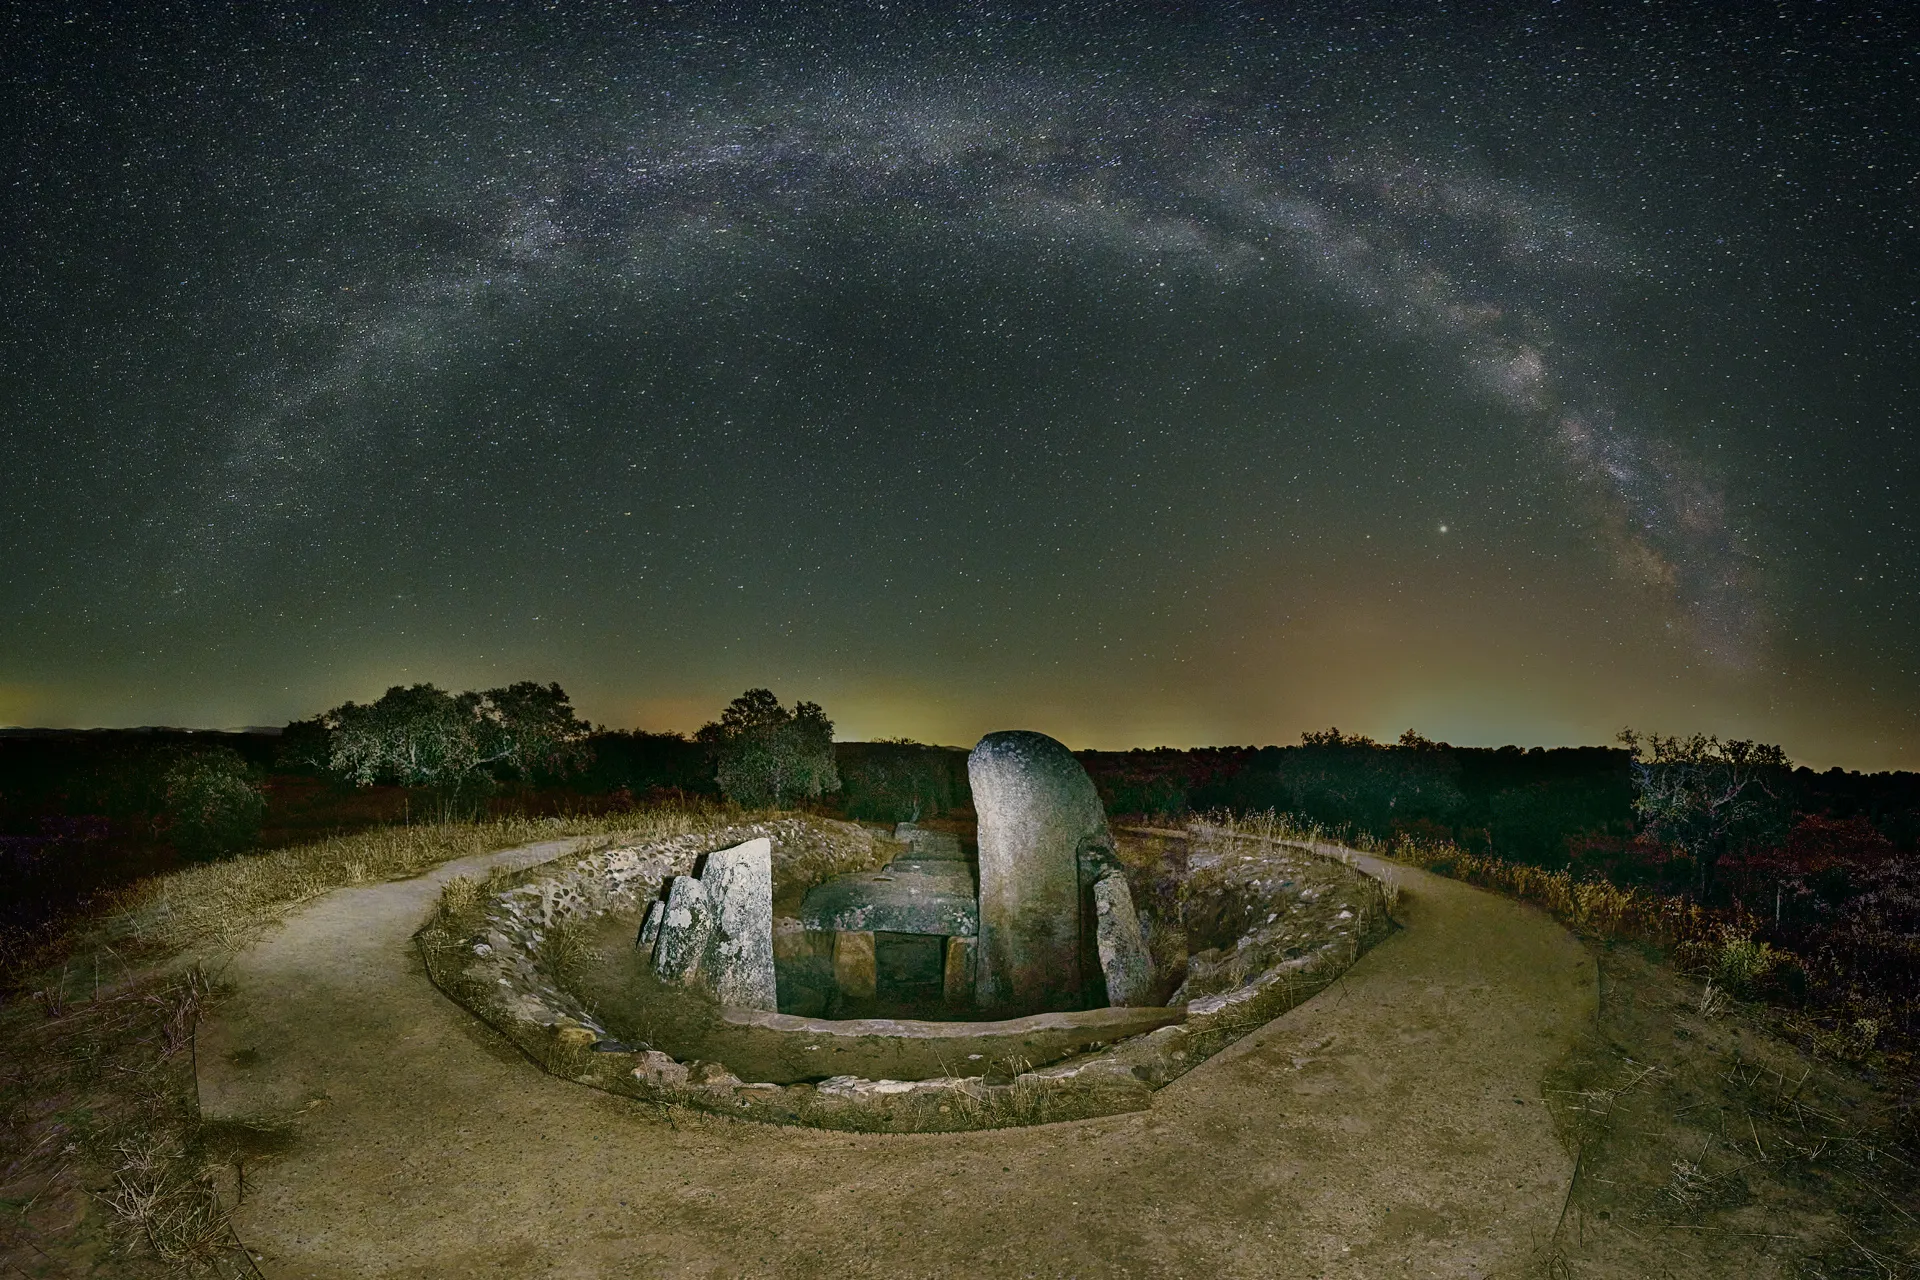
pixel 717 930
pixel 929 892
pixel 1056 920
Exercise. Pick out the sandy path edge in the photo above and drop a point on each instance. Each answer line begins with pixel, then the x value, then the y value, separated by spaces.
pixel 1391 1126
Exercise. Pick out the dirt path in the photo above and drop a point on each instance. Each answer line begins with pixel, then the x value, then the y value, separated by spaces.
pixel 1392 1126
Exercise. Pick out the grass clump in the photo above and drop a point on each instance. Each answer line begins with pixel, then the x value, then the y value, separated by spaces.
pixel 566 949
pixel 1706 1145
pixel 224 904
pixel 459 898
pixel 1739 961
pixel 99 1120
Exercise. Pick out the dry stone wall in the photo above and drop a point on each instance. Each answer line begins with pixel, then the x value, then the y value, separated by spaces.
pixel 507 967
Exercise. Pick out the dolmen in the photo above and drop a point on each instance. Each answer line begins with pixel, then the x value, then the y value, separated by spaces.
pixel 926 894
pixel 1047 926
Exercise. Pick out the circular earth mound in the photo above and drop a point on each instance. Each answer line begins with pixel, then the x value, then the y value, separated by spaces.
pixel 1241 929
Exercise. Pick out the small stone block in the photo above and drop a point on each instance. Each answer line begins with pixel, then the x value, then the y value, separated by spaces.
pixel 959 973
pixel 659 1070
pixel 792 941
pixel 711 1075
pixel 650 928
pixel 930 846
pixel 853 965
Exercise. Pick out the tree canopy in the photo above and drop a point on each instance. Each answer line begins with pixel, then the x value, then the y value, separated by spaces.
pixel 1703 795
pixel 422 736
pixel 767 755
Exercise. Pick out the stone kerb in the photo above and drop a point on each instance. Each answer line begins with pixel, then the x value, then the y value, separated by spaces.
pixel 1115 1057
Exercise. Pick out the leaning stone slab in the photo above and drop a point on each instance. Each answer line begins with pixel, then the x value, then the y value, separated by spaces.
pixel 1039 814
pixel 650 927
pixel 718 930
pixel 686 925
pixel 1124 958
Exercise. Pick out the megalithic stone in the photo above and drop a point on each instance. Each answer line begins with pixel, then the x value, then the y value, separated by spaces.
pixel 650 927
pixel 1038 812
pixel 739 961
pixel 1124 959
pixel 855 970
pixel 686 926
pixel 957 987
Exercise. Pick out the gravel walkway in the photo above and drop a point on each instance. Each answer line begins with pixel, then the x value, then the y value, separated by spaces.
pixel 1392 1126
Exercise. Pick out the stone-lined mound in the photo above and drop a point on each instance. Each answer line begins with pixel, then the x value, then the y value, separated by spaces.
pixel 1242 930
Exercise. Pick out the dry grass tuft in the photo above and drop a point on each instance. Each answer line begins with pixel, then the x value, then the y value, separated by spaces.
pixel 224 904
pixel 100 1094
pixel 1598 908
pixel 566 949
pixel 459 897
pixel 171 1203
pixel 1692 1121
pixel 1738 962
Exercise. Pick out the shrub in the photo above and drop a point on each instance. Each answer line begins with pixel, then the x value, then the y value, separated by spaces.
pixel 1740 962
pixel 1823 864
pixel 212 805
pixel 897 781
pixel 768 755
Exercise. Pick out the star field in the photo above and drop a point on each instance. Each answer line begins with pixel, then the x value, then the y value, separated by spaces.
pixel 1134 375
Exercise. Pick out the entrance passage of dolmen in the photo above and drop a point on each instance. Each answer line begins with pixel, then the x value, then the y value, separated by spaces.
pixel 901 938
pixel 909 969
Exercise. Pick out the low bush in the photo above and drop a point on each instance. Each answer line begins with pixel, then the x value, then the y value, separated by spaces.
pixel 213 806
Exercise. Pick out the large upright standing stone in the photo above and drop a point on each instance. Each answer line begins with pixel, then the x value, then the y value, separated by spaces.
pixel 1038 815
pixel 739 882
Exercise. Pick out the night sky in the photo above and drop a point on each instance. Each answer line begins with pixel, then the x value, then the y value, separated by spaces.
pixel 1134 375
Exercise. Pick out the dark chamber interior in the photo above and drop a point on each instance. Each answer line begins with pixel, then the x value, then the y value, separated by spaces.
pixel 909 970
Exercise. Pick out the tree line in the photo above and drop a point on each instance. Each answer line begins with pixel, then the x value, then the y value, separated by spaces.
pixel 1696 814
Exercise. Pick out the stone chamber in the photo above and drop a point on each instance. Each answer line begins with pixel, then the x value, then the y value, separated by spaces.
pixel 1037 967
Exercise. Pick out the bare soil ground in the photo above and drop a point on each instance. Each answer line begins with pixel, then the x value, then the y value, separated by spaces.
pixel 1465 1101
pixel 1393 1126
pixel 1711 1144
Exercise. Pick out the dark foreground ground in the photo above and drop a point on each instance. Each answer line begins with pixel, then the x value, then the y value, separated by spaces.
pixel 1482 1095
